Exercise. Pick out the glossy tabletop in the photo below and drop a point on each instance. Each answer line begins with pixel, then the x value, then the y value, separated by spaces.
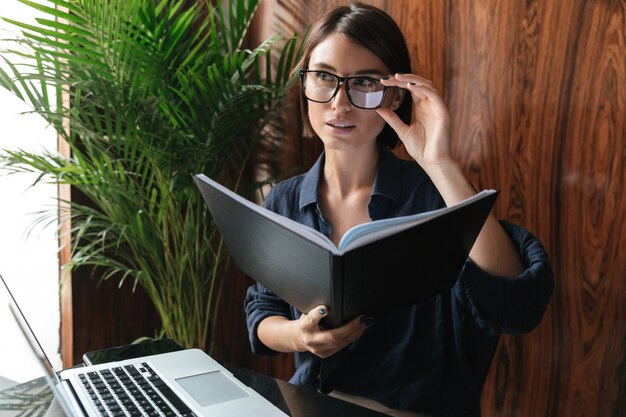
pixel 34 398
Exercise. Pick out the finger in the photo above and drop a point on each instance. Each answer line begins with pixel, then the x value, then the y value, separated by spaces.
pixel 393 120
pixel 412 78
pixel 418 91
pixel 402 80
pixel 422 88
pixel 329 342
pixel 314 316
pixel 346 334
pixel 425 95
pixel 359 324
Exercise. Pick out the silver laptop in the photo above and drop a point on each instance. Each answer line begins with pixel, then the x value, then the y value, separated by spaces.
pixel 182 383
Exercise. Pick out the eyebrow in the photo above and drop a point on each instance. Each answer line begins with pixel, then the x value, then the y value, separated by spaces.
pixel 323 66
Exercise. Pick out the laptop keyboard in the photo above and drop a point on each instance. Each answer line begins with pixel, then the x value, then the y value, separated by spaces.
pixel 132 390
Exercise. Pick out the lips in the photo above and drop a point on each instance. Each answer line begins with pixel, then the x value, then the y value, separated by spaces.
pixel 340 124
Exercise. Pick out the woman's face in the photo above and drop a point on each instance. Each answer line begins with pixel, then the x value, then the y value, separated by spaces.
pixel 338 123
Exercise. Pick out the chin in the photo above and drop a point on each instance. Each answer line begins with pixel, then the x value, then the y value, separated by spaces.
pixel 343 144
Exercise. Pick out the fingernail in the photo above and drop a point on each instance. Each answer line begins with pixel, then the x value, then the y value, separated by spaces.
pixel 366 320
pixel 322 311
pixel 384 78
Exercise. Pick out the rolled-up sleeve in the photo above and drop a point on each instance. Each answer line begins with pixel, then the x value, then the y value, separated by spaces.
pixel 259 304
pixel 510 305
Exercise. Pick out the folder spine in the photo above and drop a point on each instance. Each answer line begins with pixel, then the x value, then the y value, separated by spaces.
pixel 336 290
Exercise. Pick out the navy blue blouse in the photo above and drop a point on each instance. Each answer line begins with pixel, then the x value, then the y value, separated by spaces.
pixel 431 357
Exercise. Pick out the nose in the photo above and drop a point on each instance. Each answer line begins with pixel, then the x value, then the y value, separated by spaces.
pixel 341 102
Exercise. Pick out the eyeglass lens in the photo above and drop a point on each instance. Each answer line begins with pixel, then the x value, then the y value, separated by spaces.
pixel 363 92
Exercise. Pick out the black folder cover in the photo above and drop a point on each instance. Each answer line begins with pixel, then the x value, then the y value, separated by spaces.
pixel 395 266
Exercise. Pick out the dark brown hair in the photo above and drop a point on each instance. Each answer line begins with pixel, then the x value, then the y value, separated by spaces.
pixel 376 31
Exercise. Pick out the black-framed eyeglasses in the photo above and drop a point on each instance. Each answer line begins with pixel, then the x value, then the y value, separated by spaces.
pixel 363 92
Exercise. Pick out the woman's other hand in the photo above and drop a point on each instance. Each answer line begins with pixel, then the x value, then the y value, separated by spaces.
pixel 306 334
pixel 313 338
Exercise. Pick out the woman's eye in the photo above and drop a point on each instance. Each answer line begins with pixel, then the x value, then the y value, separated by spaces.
pixel 323 76
pixel 364 83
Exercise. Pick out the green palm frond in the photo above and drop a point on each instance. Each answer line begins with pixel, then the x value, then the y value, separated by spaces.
pixel 158 91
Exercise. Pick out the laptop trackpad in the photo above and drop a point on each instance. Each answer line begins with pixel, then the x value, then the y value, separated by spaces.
pixel 211 388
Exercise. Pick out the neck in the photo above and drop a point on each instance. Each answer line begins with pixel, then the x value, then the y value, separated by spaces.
pixel 349 171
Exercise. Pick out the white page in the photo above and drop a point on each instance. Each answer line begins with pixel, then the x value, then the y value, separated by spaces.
pixel 362 234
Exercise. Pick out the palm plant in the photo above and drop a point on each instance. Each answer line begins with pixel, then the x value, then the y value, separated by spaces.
pixel 157 90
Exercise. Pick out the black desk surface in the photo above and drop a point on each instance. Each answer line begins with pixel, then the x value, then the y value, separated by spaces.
pixel 34 398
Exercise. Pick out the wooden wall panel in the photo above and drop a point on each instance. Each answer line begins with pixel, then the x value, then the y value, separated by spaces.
pixel 505 66
pixel 423 24
pixel 493 78
pixel 592 216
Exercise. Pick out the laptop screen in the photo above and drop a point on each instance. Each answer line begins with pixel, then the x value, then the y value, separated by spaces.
pixel 19 334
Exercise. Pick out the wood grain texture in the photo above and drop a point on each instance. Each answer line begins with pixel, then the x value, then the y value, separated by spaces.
pixel 592 216
pixel 504 67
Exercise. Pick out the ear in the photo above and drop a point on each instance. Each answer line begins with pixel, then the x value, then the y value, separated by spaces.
pixel 398 98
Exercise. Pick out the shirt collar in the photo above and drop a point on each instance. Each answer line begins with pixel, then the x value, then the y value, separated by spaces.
pixel 310 183
pixel 388 175
pixel 387 182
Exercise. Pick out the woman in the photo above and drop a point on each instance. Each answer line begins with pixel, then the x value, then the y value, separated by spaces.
pixel 359 99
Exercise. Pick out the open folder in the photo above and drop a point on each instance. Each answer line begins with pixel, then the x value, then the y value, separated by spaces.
pixel 379 266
